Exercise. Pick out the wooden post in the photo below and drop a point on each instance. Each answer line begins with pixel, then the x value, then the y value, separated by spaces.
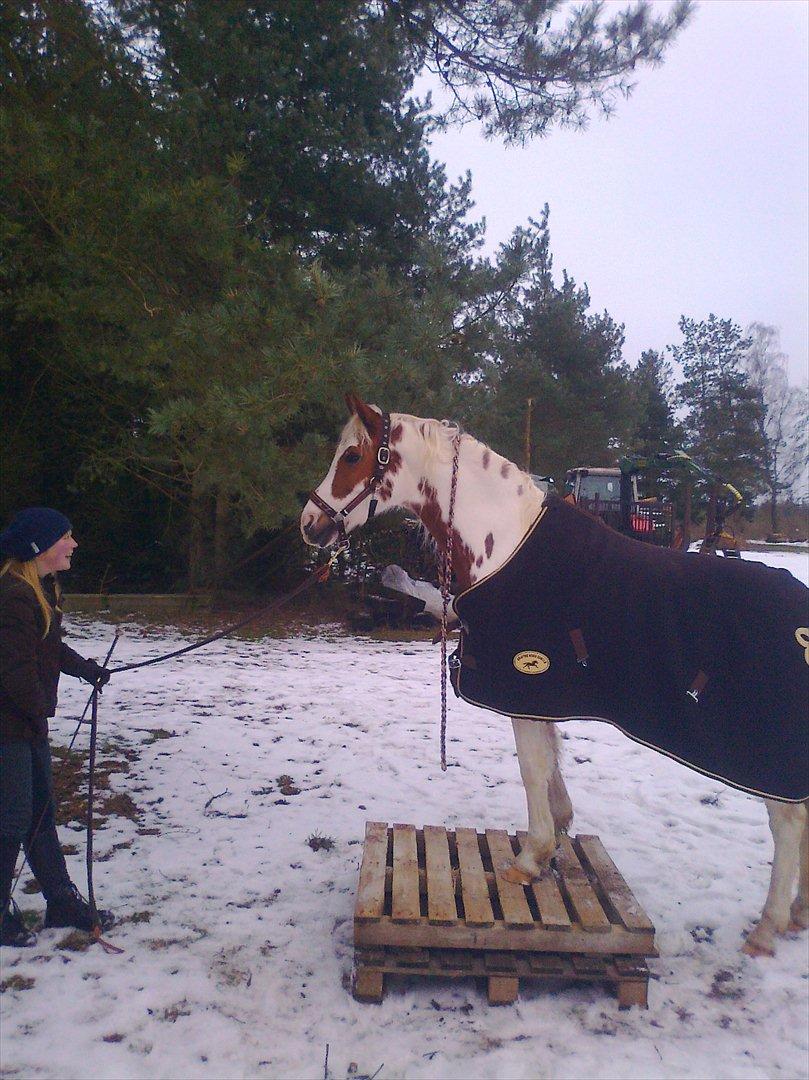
pixel 529 404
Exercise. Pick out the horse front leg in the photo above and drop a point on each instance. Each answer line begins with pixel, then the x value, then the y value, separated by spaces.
pixel 787 823
pixel 536 753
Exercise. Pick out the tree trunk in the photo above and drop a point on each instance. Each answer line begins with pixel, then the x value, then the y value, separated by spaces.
pixel 199 544
pixel 220 538
pixel 774 511
pixel 687 517
pixel 710 517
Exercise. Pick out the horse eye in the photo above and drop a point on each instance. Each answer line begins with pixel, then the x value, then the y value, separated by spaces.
pixel 352 456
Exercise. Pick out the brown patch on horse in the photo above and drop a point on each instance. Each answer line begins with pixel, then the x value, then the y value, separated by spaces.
pixel 349 475
pixel 487 457
pixel 488 544
pixel 479 561
pixel 430 515
pixel 519 489
pixel 505 469
pixel 396 434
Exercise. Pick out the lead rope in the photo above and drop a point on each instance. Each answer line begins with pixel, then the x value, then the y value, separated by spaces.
pixel 446 584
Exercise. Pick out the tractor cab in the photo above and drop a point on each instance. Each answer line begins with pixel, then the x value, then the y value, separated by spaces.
pixel 612 495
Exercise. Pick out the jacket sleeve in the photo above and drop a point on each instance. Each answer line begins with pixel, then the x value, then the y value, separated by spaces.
pixel 70 663
pixel 20 631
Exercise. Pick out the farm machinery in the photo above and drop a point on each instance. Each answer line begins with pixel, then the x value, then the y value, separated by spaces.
pixel 612 494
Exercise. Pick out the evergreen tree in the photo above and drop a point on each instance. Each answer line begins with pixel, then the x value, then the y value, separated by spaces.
pixel 722 409
pixel 568 362
pixel 521 66
pixel 652 386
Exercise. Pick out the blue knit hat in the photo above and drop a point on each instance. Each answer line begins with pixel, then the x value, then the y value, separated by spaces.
pixel 33 531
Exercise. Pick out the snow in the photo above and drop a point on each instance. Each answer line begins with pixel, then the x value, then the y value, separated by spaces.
pixel 243 967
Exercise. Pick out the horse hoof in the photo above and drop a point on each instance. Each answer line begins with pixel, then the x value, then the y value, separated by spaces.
pixel 516 875
pixel 753 947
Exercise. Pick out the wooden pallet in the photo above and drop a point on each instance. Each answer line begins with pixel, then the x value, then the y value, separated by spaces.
pixel 434 902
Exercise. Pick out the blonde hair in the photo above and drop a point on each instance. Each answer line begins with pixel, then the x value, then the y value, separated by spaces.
pixel 27 572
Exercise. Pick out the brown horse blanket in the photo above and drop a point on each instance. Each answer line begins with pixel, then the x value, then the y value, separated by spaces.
pixel 702 658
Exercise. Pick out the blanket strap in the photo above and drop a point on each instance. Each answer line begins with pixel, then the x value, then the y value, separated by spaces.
pixel 697 686
pixel 582 655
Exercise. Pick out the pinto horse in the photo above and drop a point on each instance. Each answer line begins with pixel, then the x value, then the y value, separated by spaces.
pixel 396 460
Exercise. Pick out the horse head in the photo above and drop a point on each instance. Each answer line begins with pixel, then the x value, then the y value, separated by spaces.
pixel 361 475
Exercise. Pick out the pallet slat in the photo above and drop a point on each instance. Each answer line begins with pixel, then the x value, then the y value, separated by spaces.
pixel 579 891
pixel 618 898
pixel 370 904
pixel 552 911
pixel 405 906
pixel 441 909
pixel 474 887
pixel 516 911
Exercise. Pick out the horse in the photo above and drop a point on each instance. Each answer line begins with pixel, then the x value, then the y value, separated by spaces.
pixel 395 460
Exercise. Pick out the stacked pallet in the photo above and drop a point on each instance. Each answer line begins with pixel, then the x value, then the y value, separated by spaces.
pixel 435 902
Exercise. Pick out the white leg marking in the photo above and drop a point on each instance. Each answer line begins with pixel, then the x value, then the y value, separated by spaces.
pixel 536 752
pixel 561 806
pixel 787 823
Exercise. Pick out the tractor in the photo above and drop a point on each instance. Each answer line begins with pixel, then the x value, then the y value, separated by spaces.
pixel 612 494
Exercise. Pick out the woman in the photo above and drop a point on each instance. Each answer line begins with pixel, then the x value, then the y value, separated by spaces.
pixel 37 545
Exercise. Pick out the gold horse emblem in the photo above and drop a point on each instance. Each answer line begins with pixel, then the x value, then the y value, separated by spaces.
pixel 802 638
pixel 530 662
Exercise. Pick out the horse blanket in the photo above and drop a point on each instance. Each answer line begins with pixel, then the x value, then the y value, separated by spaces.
pixel 702 658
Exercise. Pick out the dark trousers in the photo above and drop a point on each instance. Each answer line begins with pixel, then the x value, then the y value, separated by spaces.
pixel 27 816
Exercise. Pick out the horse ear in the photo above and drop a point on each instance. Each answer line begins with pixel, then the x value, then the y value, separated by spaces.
pixel 370 418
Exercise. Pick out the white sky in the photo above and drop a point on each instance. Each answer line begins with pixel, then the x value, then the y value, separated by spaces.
pixel 693 198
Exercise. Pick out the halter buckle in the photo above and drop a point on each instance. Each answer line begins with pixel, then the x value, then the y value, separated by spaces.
pixel 383 455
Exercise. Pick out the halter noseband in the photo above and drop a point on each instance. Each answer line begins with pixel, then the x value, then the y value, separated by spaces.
pixel 382 459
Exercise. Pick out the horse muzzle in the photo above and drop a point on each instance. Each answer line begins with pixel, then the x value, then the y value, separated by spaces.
pixel 318 530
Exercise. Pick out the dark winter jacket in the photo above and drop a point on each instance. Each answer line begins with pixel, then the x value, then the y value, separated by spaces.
pixel 30 664
pixel 704 659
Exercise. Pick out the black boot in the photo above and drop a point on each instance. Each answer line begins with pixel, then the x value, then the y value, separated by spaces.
pixel 69 908
pixel 12 929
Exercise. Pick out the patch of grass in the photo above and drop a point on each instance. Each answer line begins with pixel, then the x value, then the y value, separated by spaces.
pixel 725 987
pixel 16 982
pixel 113 1037
pixel 75 941
pixel 320 843
pixel 153 735
pixel 286 785
pixel 70 786
pixel 173 1012
pixel 137 917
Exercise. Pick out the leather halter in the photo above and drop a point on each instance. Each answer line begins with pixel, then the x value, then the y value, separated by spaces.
pixel 338 517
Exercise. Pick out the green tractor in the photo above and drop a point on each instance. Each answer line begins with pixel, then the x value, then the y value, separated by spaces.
pixel 612 494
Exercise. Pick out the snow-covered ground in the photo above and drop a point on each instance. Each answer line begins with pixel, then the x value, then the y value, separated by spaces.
pixel 237 935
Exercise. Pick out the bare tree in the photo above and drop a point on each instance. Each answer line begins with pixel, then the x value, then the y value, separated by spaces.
pixel 784 421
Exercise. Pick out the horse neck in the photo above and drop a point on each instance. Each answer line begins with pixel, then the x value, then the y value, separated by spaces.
pixel 495 502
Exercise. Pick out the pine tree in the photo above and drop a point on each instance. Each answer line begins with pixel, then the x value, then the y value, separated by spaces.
pixel 519 67
pixel 568 361
pixel 652 384
pixel 723 410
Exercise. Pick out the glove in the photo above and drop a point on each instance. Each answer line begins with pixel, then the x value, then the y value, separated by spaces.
pixel 97 675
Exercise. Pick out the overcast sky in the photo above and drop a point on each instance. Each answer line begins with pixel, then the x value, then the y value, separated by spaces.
pixel 693 198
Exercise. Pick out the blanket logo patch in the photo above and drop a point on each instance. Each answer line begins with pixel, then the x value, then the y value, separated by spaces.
pixel 531 662
pixel 802 638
